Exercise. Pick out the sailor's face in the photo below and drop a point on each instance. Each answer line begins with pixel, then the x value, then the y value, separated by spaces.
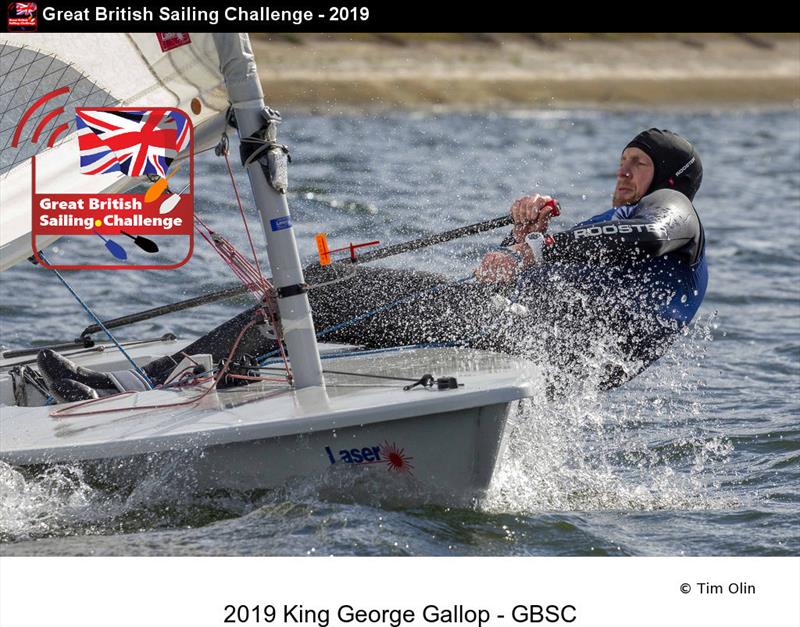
pixel 634 175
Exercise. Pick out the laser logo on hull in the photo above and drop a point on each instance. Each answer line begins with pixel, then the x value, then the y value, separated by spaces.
pixel 391 455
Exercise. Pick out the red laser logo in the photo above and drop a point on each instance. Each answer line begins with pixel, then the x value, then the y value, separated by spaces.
pixel 396 459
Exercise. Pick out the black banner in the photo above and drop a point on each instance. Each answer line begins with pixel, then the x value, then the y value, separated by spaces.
pixel 336 16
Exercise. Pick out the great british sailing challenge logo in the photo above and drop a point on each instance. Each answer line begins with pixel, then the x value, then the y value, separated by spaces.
pixel 22 16
pixel 124 146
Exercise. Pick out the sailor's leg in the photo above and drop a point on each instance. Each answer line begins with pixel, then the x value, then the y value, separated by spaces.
pixel 642 345
pixel 381 307
pixel 365 306
pixel 218 343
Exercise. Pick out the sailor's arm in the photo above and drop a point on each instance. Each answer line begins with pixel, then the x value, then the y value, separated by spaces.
pixel 662 222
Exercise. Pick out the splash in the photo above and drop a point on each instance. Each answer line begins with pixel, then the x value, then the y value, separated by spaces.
pixel 37 506
pixel 648 446
pixel 67 500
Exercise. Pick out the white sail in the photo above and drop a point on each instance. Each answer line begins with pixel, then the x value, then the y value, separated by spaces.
pixel 112 69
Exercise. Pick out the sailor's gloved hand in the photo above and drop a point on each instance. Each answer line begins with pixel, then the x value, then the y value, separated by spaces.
pixel 532 214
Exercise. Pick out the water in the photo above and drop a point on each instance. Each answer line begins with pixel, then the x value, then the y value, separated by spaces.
pixel 700 455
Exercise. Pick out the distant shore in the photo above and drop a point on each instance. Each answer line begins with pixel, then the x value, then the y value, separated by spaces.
pixel 325 72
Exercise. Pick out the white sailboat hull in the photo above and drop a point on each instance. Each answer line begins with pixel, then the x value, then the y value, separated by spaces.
pixel 447 458
pixel 354 437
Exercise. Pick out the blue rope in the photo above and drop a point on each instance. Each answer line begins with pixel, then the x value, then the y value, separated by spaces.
pixel 372 351
pixel 401 301
pixel 100 323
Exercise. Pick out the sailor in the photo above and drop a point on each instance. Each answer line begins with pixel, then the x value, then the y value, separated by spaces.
pixel 640 265
pixel 596 303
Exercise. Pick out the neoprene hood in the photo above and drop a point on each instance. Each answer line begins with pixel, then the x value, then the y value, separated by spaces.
pixel 677 165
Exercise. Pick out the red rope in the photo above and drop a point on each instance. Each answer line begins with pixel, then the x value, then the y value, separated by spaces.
pixel 238 264
pixel 246 274
pixel 241 211
pixel 251 277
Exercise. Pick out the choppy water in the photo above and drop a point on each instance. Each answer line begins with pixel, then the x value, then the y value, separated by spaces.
pixel 700 455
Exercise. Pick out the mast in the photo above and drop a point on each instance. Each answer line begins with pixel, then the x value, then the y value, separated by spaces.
pixel 266 164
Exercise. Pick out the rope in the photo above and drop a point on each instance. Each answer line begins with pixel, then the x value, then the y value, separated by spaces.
pixel 374 351
pixel 360 374
pixel 224 151
pixel 238 264
pixel 263 145
pixel 100 323
pixel 245 272
pixel 251 276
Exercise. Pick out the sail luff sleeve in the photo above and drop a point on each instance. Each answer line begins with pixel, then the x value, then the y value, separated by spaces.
pixel 238 67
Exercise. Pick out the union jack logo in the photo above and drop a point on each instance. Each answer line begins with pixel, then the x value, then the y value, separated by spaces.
pixel 132 142
pixel 26 8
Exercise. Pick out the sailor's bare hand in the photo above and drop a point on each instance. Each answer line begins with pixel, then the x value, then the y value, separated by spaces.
pixel 496 267
pixel 531 214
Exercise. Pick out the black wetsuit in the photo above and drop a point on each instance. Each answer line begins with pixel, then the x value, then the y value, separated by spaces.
pixel 607 300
